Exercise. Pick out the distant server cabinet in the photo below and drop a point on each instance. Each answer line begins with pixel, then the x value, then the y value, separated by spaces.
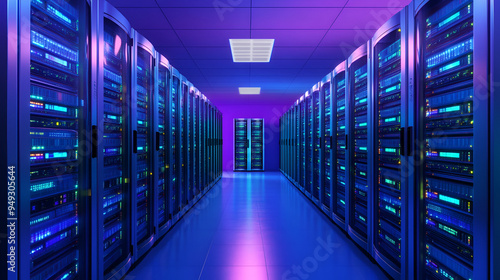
pixel 390 135
pixel 183 142
pixel 142 148
pixel 339 89
pixel 112 128
pixel 50 167
pixel 315 144
pixel 359 195
pixel 452 119
pixel 249 145
pixel 326 142
pixel 175 163
pixel 308 100
pixel 163 154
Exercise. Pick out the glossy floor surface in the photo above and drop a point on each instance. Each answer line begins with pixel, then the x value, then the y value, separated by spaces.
pixel 255 226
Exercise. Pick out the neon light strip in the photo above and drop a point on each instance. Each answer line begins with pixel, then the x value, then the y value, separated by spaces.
pixel 450 66
pixel 448 20
pixel 449 155
pixel 449 199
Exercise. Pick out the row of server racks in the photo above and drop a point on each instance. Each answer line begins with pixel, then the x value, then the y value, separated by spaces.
pixel 109 145
pixel 248 144
pixel 393 145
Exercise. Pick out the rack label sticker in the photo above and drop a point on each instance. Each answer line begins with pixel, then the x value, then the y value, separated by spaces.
pixel 11 219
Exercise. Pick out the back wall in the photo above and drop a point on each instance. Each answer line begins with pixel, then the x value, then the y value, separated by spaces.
pixel 270 114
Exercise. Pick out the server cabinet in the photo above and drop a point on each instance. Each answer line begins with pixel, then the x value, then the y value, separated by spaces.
pixel 249 145
pixel 190 142
pixel 196 143
pixel 309 142
pixel 339 86
pixel 357 145
pixel 452 117
pixel 113 123
pixel 183 145
pixel 241 145
pixel 296 131
pixel 326 143
pixel 303 134
pixel 175 163
pixel 257 144
pixel 316 143
pixel 205 147
pixel 53 86
pixel 163 217
pixel 390 183
pixel 142 157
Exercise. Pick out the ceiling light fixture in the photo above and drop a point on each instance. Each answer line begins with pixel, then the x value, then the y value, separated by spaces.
pixel 249 90
pixel 251 50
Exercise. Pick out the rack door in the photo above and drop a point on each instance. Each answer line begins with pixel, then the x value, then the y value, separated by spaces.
pixel 143 147
pixel 116 160
pixel 241 145
pixel 58 121
pixel 359 112
pixel 257 144
pixel 388 119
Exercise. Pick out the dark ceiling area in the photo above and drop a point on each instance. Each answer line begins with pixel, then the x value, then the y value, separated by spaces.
pixel 311 38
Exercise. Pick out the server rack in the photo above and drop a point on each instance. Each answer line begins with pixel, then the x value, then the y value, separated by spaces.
pixel 303 133
pixel 326 143
pixel 175 138
pixel 296 131
pixel 112 130
pixel 450 62
pixel 205 153
pixel 358 117
pixel 241 145
pixel 53 83
pixel 196 144
pixel 183 152
pixel 142 157
pixel 339 88
pixel 315 144
pixel 249 145
pixel 190 142
pixel 390 186
pixel 163 217
pixel 308 102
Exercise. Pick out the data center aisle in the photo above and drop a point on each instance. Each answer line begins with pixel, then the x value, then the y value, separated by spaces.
pixel 255 226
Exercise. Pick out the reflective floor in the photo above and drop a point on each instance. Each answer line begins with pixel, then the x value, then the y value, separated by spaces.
pixel 255 226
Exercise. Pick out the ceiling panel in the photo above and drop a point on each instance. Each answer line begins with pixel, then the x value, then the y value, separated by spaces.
pixel 292 53
pixel 293 18
pixel 161 38
pixel 347 40
pixel 212 52
pixel 133 3
pixel 220 63
pixel 300 3
pixel 181 18
pixel 173 52
pixel 228 4
pixel 209 72
pixel 275 63
pixel 291 38
pixel 292 72
pixel 363 18
pixel 145 18
pixel 211 38
pixel 340 53
pixel 378 3
pixel 328 64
